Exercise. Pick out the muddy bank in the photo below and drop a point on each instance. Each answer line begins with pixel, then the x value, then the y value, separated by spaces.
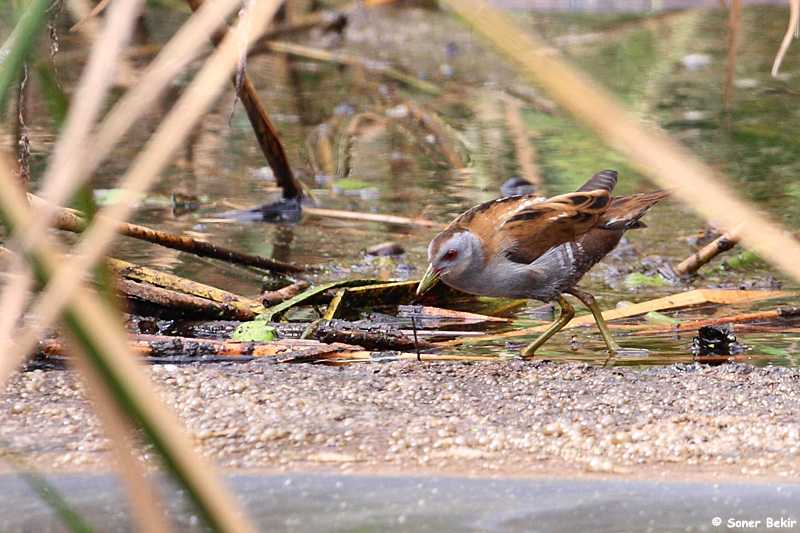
pixel 519 419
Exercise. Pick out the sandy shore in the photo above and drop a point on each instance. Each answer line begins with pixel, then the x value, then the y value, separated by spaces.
pixel 517 419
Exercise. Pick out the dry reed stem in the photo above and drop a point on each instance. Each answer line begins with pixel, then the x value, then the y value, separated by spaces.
pixel 178 123
pixel 59 187
pixel 174 56
pixel 89 99
pixel 148 511
pixel 99 327
pixel 215 501
pixel 90 96
pixel 655 153
pixel 792 31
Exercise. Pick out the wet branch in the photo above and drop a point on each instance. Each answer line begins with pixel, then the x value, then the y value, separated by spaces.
pixel 186 349
pixel 721 244
pixel 184 302
pixel 71 220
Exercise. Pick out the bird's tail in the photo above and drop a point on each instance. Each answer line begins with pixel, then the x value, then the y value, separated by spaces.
pixel 624 212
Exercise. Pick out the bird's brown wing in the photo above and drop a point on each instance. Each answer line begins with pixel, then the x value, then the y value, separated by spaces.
pixel 530 227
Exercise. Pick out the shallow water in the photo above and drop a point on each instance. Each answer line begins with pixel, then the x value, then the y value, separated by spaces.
pixel 394 169
pixel 308 502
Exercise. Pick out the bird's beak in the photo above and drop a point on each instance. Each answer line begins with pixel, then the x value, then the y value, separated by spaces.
pixel 428 280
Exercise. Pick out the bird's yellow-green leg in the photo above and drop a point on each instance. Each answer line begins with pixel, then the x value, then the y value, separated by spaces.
pixel 567 312
pixel 589 301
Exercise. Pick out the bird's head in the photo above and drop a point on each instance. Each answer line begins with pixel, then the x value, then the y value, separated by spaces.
pixel 453 256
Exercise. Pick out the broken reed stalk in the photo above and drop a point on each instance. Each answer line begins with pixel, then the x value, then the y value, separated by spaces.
pixel 721 244
pixel 96 10
pixel 71 220
pixel 524 150
pixel 265 131
pixel 183 302
pixel 170 281
pixel 343 59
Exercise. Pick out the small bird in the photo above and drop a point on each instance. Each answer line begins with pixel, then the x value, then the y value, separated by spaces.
pixel 536 247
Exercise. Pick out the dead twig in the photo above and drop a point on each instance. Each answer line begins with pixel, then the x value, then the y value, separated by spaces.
pixel 721 244
pixel 71 220
pixel 759 316
pixel 378 338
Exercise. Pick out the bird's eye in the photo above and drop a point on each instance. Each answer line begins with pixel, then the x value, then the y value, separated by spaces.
pixel 450 255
